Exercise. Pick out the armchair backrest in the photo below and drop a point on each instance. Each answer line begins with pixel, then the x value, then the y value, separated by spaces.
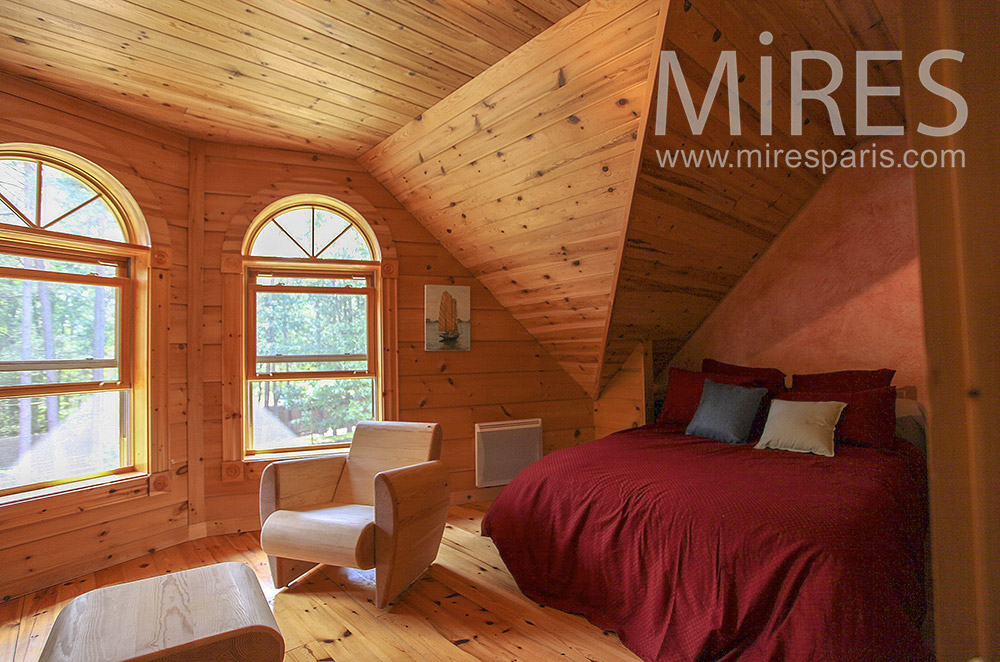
pixel 381 445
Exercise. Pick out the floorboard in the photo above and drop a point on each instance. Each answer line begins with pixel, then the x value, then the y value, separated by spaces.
pixel 466 608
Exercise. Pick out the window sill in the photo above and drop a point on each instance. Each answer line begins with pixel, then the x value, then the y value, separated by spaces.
pixel 265 458
pixel 135 483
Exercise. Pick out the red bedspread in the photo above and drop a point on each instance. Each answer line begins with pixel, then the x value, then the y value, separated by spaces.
pixel 695 550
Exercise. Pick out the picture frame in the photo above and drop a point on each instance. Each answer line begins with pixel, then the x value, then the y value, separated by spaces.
pixel 447 318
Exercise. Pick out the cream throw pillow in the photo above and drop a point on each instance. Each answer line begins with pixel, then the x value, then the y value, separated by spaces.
pixel 803 427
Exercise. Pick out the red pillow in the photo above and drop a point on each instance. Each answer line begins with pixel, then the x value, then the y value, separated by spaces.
pixel 868 420
pixel 773 378
pixel 844 381
pixel 684 389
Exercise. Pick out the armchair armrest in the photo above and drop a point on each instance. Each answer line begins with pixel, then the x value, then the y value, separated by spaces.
pixel 411 508
pixel 294 484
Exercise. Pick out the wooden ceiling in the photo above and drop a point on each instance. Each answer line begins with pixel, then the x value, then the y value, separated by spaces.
pixel 525 174
pixel 336 76
pixel 518 132
pixel 531 175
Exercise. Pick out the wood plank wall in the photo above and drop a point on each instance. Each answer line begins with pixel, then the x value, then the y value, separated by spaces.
pixel 627 400
pixel 525 173
pixel 959 244
pixel 47 540
pixel 507 374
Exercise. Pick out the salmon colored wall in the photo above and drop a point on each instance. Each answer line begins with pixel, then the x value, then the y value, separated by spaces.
pixel 838 289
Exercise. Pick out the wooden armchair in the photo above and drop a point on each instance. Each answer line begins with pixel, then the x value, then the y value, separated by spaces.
pixel 383 506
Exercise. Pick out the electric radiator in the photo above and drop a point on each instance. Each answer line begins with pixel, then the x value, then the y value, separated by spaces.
pixel 503 449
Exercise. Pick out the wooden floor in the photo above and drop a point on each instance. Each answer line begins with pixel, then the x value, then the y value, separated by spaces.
pixel 466 608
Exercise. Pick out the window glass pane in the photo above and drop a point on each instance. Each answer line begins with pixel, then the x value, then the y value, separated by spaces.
pixel 19 184
pixel 61 266
pixel 68 328
pixel 298 224
pixel 329 226
pixel 311 232
pixel 10 218
pixel 93 220
pixel 313 323
pixel 278 279
pixel 309 413
pixel 61 193
pixel 351 246
pixel 320 364
pixel 272 241
pixel 59 437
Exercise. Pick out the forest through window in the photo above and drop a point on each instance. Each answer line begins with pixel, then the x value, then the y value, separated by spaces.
pixel 64 388
pixel 312 349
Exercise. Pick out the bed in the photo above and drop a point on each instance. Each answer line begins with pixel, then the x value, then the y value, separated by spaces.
pixel 695 550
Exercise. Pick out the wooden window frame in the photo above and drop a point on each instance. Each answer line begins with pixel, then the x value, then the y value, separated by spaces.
pixel 133 331
pixel 236 464
pixel 312 268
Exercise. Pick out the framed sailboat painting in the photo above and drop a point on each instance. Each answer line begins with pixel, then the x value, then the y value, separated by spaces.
pixel 447 316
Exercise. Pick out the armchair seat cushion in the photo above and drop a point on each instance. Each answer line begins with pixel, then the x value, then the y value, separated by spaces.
pixel 334 535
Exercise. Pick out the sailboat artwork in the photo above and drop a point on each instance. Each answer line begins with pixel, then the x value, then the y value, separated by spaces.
pixel 446 318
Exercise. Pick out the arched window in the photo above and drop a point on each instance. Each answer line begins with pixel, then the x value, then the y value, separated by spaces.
pixel 311 231
pixel 313 314
pixel 71 327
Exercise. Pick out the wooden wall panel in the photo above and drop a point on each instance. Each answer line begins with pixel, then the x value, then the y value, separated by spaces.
pixel 47 540
pixel 506 375
pixel 627 401
pixel 524 174
pixel 960 272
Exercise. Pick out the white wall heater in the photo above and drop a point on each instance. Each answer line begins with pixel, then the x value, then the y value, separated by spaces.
pixel 503 449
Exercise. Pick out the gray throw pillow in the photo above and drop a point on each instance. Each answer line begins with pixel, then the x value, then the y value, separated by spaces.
pixel 726 412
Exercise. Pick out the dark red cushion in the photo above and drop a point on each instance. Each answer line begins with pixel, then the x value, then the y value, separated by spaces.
pixel 773 378
pixel 844 381
pixel 684 389
pixel 868 420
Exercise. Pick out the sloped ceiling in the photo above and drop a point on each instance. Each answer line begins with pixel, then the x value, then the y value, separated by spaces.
pixel 519 132
pixel 694 232
pixel 329 75
pixel 525 173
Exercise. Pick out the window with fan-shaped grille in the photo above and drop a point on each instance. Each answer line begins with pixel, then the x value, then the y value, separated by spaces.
pixel 313 357
pixel 41 195
pixel 70 303
pixel 311 232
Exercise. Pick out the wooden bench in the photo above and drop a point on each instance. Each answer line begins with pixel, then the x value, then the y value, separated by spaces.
pixel 217 613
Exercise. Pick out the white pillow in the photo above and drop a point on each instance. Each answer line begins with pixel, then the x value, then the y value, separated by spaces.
pixel 803 427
